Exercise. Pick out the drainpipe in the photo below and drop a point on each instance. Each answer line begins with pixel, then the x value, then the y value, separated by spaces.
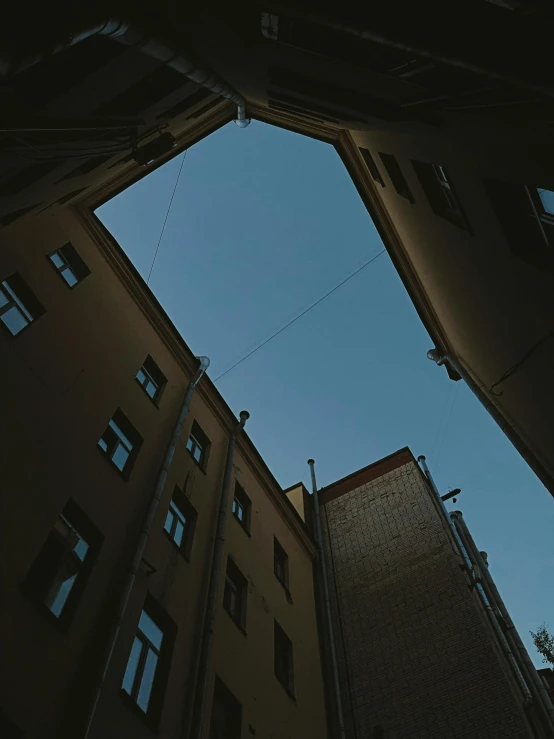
pixel 129 35
pixel 213 587
pixel 544 476
pixel 327 603
pixel 142 540
pixel 462 546
pixel 533 677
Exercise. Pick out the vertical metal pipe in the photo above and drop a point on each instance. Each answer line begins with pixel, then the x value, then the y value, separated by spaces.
pixel 458 538
pixel 213 587
pixel 144 534
pixel 496 600
pixel 327 603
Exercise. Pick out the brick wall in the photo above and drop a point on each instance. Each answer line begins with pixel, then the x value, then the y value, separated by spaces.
pixel 416 657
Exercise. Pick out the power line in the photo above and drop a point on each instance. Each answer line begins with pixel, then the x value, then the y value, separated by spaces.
pixel 303 313
pixel 167 215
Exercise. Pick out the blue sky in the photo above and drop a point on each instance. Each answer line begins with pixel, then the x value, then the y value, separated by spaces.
pixel 264 222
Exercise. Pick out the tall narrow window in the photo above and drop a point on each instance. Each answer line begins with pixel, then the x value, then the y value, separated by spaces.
pixel 396 176
pixel 544 206
pixel 373 169
pixel 151 379
pixel 69 265
pixel 198 445
pixel 19 306
pixel 284 671
pixel 148 664
pixel 241 507
pixel 120 442
pixel 226 718
pixel 58 574
pixel 234 594
pixel 440 193
pixel 180 522
pixel 280 563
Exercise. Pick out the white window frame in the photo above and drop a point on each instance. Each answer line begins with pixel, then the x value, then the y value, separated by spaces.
pixel 13 301
pixel 142 651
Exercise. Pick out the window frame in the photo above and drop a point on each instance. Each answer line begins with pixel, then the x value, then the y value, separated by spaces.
pixel 72 261
pixel 128 432
pixel 237 582
pixel 281 640
pixel 38 591
pixel 396 176
pixel 279 552
pixel 167 626
pixel 221 689
pixel 199 441
pixel 152 373
pixel 186 512
pixel 19 295
pixel 371 165
pixel 241 501
pixel 441 194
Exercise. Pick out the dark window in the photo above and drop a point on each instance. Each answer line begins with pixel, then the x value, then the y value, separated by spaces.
pixel 120 442
pixel 396 177
pixel 18 304
pixel 226 718
pixel 58 575
pixel 147 670
pixel 280 563
pixel 151 379
pixel 440 193
pixel 180 522
pixel 198 445
pixel 283 659
pixel 69 265
pixel 370 163
pixel 241 507
pixel 235 593
pixel 525 218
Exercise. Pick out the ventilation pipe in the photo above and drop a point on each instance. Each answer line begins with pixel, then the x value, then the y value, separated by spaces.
pixel 533 678
pixel 544 476
pixel 203 674
pixel 129 35
pixel 142 540
pixel 478 586
pixel 327 603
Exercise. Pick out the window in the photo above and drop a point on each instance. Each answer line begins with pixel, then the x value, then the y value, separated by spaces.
pixel 120 442
pixel 180 522
pixel 18 304
pixel 198 445
pixel 283 659
pixel 440 193
pixel 59 573
pixel 234 594
pixel 226 718
pixel 280 563
pixel 544 206
pixel 241 507
pixel 151 379
pixel 69 265
pixel 148 664
pixel 396 177
pixel 370 163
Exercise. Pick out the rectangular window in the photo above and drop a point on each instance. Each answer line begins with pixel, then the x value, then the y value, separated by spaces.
pixel 544 206
pixel 370 164
pixel 148 664
pixel 151 379
pixel 180 522
pixel 226 717
pixel 440 193
pixel 242 507
pixel 19 306
pixel 61 568
pixel 69 265
pixel 235 593
pixel 120 442
pixel 198 445
pixel 396 176
pixel 284 671
pixel 280 563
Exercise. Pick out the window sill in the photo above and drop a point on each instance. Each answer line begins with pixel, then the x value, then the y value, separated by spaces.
pixel 184 554
pixel 155 401
pixel 287 591
pixel 196 462
pixel 243 526
pixel 239 626
pixel 147 719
